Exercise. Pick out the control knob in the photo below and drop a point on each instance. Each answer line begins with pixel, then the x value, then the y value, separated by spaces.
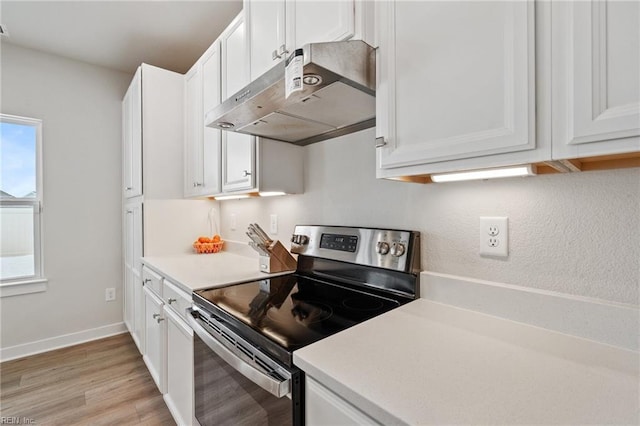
pixel 300 239
pixel 382 247
pixel 397 249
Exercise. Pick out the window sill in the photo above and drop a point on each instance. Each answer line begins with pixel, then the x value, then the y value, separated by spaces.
pixel 16 288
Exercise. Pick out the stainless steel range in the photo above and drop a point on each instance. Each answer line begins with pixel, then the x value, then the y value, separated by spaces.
pixel 245 334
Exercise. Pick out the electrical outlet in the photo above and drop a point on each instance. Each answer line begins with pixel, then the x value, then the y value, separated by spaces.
pixel 494 236
pixel 274 224
pixel 110 294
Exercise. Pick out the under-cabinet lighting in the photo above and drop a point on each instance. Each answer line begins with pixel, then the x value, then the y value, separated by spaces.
pixel 271 193
pixel 503 172
pixel 231 197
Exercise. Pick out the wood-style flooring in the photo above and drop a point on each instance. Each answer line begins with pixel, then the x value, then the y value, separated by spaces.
pixel 104 382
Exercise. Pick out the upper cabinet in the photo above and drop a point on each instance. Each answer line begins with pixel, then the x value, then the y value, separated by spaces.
pixel 456 83
pixel 278 27
pixel 473 85
pixel 132 138
pixel 202 147
pixel 152 123
pixel 596 83
pixel 238 150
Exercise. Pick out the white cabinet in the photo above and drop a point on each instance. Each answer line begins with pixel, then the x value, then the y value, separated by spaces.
pixel 596 83
pixel 278 27
pixel 193 131
pixel 325 408
pixel 155 338
pixel 266 21
pixel 202 144
pixel 132 245
pixel 132 138
pixel 152 143
pixel 471 85
pixel 319 21
pixel 238 150
pixel 152 122
pixel 179 396
pixel 238 162
pixel 456 86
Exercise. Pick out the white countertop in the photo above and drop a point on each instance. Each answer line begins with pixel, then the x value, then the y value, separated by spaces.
pixel 431 363
pixel 198 271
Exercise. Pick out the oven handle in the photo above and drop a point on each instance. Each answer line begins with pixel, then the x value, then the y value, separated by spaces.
pixel 274 387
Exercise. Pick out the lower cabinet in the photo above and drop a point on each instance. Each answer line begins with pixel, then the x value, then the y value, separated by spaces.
pixel 323 407
pixel 179 396
pixel 168 349
pixel 155 337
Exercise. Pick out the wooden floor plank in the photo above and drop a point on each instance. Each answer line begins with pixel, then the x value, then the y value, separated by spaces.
pixel 104 382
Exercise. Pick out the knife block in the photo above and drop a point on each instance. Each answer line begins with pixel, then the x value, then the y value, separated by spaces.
pixel 279 260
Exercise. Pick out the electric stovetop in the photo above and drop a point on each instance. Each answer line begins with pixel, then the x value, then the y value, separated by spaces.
pixel 293 310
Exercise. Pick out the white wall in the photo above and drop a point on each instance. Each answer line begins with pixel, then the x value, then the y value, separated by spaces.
pixel 576 234
pixel 80 107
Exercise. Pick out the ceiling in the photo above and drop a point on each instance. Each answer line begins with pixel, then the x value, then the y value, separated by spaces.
pixel 119 34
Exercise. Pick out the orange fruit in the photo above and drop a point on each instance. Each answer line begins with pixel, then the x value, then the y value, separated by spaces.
pixel 204 240
pixel 216 238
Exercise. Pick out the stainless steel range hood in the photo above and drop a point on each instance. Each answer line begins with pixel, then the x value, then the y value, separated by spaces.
pixel 341 101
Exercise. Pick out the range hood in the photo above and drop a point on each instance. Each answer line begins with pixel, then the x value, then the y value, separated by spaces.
pixel 337 97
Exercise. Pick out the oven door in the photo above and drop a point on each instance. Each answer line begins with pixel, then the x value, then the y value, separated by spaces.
pixel 236 385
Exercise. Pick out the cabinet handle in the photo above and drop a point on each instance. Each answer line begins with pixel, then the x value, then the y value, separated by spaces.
pixel 128 188
pixel 160 320
pixel 146 280
pixel 380 142
pixel 279 53
pixel 170 300
pixel 155 316
pixel 246 173
pixel 129 211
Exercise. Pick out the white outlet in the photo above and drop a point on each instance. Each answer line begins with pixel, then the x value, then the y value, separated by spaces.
pixel 110 294
pixel 273 224
pixel 234 221
pixel 494 236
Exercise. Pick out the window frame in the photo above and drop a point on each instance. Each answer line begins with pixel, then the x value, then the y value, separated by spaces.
pixel 36 282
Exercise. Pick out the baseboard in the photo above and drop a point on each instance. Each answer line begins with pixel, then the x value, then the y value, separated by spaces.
pixel 615 324
pixel 45 345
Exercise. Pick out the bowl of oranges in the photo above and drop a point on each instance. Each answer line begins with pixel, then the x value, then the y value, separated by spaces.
pixel 208 245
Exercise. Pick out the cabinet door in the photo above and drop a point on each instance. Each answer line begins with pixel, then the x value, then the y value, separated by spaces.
pixel 128 304
pixel 319 21
pixel 133 301
pixel 179 396
pixel 238 150
pixel 235 58
pixel 194 126
pixel 596 88
pixel 132 137
pixel 458 81
pixel 212 138
pixel 154 354
pixel 266 28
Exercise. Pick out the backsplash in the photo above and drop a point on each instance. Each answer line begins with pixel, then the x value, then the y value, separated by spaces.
pixel 572 233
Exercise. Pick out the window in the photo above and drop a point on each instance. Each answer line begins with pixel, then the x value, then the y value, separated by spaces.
pixel 20 202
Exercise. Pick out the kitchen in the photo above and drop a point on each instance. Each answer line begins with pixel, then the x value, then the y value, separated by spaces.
pixel 571 233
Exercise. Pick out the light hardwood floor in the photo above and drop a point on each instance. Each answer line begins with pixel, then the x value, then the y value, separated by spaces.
pixel 104 382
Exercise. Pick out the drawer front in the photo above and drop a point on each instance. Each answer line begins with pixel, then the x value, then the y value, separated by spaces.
pixel 176 299
pixel 152 280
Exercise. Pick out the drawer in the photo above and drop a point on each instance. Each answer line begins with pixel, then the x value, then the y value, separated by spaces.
pixel 178 300
pixel 152 281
